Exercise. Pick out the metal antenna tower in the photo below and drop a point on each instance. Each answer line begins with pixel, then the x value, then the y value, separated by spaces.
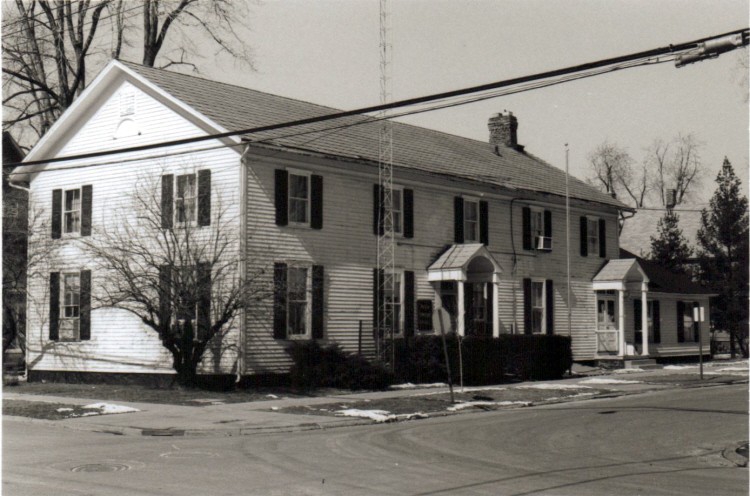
pixel 386 246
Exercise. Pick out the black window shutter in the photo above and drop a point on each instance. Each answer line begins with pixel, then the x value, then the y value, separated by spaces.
pixel 458 219
pixel 279 300
pixel 489 305
pixel 167 201
pixel 54 306
pixel 377 277
pixel 680 321
pixel 548 224
pixel 484 223
pixel 165 296
pixel 203 278
pixel 408 213
pixel 527 228
pixel 468 304
pixel 281 186
pixel 84 330
pixel 204 197
pixel 56 214
pixel 318 302
pixel 550 305
pixel 316 202
pixel 377 210
pixel 527 306
pixel 657 321
pixel 696 323
pixel 602 238
pixel 409 302
pixel 86 204
pixel 584 237
pixel 637 315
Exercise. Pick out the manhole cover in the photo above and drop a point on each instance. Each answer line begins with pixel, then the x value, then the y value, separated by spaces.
pixel 101 467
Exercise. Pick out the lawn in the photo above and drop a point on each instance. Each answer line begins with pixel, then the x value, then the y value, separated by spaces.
pixel 171 396
pixel 57 411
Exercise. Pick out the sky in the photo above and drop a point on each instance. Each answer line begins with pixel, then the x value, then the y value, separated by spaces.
pixel 326 52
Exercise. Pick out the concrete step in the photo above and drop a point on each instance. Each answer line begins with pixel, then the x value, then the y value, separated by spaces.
pixel 642 363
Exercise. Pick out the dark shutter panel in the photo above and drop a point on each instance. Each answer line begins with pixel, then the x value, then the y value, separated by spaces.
pixel 527 306
pixel 458 219
pixel 84 330
pixel 526 228
pixel 54 306
pixel 409 302
pixel 377 297
pixel 484 223
pixel 281 186
pixel 165 296
pixel 318 301
pixel 637 315
pixel 602 238
pixel 489 304
pixel 584 237
pixel 408 213
pixel 468 304
pixel 696 323
pixel 377 210
pixel 204 197
pixel 203 277
pixel 550 305
pixel 56 214
pixel 279 300
pixel 657 321
pixel 167 201
pixel 680 321
pixel 548 224
pixel 86 204
pixel 316 202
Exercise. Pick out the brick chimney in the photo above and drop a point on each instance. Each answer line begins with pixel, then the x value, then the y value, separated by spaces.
pixel 503 130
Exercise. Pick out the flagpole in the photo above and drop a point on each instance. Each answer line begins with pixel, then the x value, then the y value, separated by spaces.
pixel 567 234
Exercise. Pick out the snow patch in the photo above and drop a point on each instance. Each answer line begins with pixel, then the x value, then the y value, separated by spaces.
pixel 64 410
pixel 472 404
pixel 628 371
pixel 376 415
pixel 272 396
pixel 553 386
pixel 732 369
pixel 409 385
pixel 679 367
pixel 604 380
pixel 107 409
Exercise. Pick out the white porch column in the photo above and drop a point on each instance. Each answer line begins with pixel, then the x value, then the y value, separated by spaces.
pixel 644 319
pixel 460 327
pixel 621 323
pixel 495 310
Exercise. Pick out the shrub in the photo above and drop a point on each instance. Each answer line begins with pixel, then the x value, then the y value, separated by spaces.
pixel 316 366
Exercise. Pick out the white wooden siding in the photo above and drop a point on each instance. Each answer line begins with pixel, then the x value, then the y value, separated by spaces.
pixel 119 341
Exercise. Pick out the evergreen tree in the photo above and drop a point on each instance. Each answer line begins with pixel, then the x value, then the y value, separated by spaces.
pixel 723 241
pixel 670 248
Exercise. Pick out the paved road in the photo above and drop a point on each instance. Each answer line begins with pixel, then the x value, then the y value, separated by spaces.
pixel 659 443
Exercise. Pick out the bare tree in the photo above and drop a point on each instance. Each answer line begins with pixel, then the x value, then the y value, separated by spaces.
pixel 183 282
pixel 613 170
pixel 51 47
pixel 675 165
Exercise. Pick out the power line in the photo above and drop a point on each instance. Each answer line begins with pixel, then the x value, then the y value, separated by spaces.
pixel 671 50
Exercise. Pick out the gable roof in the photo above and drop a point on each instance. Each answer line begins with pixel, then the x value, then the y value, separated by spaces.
pixel 662 280
pixel 637 230
pixel 235 107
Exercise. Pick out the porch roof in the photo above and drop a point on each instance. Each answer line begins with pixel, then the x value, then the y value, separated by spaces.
pixel 621 270
pixel 454 263
pixel 662 280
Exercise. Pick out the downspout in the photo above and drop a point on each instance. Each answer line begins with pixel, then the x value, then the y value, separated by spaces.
pixel 241 365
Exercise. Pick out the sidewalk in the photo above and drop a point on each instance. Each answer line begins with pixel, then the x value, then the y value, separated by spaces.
pixel 240 419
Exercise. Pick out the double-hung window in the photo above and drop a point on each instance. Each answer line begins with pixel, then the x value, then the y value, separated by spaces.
pixel 538 320
pixel 72 211
pixel 299 198
pixel 471 221
pixel 393 296
pixel 593 235
pixel 605 310
pixel 185 199
pixel 537 226
pixel 71 306
pixel 298 307
pixel 397 207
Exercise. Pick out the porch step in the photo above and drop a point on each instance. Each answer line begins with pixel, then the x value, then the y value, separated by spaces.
pixel 642 363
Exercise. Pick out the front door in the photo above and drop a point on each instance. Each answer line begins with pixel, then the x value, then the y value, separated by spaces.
pixel 478 308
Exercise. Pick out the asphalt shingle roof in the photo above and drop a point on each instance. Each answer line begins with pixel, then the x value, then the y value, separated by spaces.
pixel 663 280
pixel 235 107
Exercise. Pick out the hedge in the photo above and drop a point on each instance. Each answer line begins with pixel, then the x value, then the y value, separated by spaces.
pixel 486 360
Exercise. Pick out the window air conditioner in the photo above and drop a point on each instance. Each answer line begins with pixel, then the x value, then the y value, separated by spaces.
pixel 543 243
